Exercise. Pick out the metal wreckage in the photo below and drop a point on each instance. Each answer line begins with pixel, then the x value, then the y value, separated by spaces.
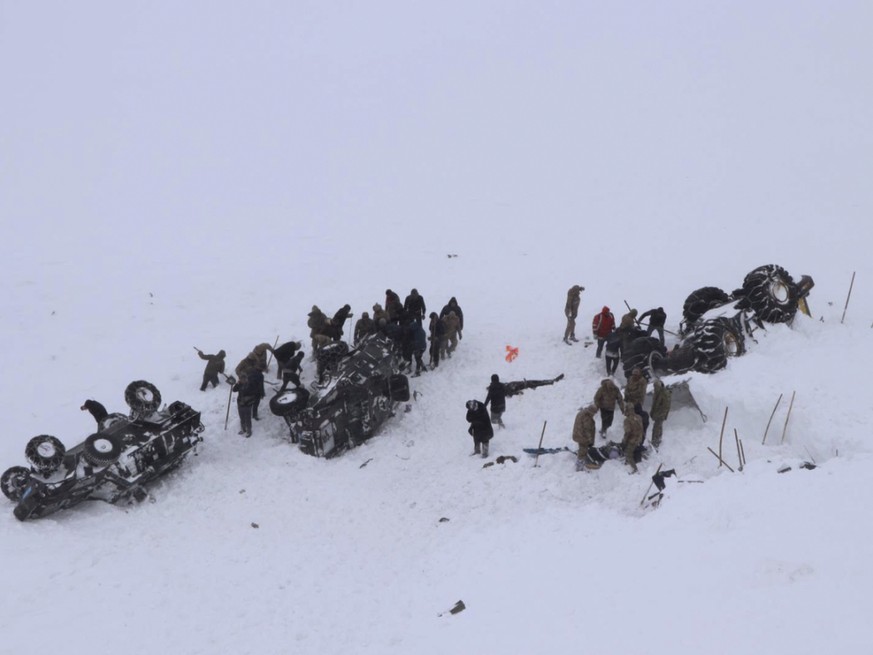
pixel 360 388
pixel 715 327
pixel 113 464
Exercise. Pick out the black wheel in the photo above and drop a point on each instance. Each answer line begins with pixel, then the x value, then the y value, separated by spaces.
pixel 45 453
pixel 14 481
pixel 638 352
pixel 289 402
pixel 142 397
pixel 771 293
pixel 102 449
pixel 700 302
pixel 714 341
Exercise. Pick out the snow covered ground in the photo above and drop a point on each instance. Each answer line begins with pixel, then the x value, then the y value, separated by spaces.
pixel 201 175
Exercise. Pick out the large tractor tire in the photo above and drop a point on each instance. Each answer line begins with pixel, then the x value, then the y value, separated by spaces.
pixel 700 302
pixel 638 353
pixel 45 454
pixel 14 481
pixel 142 397
pixel 713 342
pixel 771 294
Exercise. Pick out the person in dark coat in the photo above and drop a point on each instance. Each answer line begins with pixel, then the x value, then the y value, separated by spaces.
pixel 407 344
pixel 419 345
pixel 414 306
pixel 452 306
pixel 256 382
pixel 284 354
pixel 480 427
pixel 291 371
pixel 334 327
pixel 393 306
pixel 657 317
pixel 97 410
pixel 364 327
pixel 250 391
pixel 437 335
pixel 214 366
pixel 497 398
pixel 613 351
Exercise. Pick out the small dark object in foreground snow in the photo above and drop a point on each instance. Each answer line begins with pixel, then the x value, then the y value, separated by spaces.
pixel 365 463
pixel 459 607
pixel 809 466
pixel 255 525
pixel 444 520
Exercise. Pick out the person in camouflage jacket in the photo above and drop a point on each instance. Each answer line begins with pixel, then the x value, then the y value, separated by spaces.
pixel 214 366
pixel 605 399
pixel 571 311
pixel 633 436
pixel 584 430
pixel 453 326
pixel 661 400
pixel 635 390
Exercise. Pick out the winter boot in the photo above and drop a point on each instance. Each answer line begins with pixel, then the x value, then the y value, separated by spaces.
pixel 476 450
pixel 485 449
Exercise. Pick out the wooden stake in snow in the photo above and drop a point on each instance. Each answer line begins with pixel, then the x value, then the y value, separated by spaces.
pixel 721 436
pixel 742 452
pixel 542 434
pixel 721 461
pixel 772 414
pixel 851 284
pixel 787 416
pixel 739 452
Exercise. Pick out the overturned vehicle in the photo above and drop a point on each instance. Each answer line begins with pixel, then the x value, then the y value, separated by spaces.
pixel 113 464
pixel 715 324
pixel 359 389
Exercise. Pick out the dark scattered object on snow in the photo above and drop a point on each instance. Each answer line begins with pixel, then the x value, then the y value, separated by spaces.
pixel 255 525
pixel 597 455
pixel 459 607
pixel 545 451
pixel 658 478
pixel 444 520
pixel 716 325
pixel 517 388
pixel 112 464
pixel 809 466
pixel 364 388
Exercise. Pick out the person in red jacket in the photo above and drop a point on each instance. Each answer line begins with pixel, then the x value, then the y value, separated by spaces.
pixel 602 326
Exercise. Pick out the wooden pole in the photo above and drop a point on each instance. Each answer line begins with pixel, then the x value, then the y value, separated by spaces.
pixel 851 284
pixel 772 414
pixel 739 452
pixel 742 452
pixel 787 416
pixel 721 436
pixel 270 358
pixel 721 461
pixel 542 434
pixel 227 416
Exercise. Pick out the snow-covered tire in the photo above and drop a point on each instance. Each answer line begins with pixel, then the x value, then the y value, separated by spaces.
pixel 700 302
pixel 102 449
pixel 771 294
pixel 288 402
pixel 45 453
pixel 142 397
pixel 14 481
pixel 637 354
pixel 713 342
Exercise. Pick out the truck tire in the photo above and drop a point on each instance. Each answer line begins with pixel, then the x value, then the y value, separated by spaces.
pixel 771 294
pixel 701 301
pixel 102 449
pixel 637 354
pixel 713 342
pixel 14 481
pixel 45 453
pixel 142 397
pixel 289 402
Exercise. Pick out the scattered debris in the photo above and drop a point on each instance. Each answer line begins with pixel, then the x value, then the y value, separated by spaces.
pixel 255 525
pixel 809 466
pixel 459 607
pixel 365 463
pixel 443 519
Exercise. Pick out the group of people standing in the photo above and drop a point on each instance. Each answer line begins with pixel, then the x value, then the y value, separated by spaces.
pixel 612 341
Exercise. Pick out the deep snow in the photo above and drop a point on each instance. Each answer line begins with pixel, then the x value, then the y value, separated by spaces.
pixel 201 175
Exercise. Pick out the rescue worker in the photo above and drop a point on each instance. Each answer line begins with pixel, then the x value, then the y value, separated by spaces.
pixel 214 366
pixel 635 390
pixel 661 400
pixel 571 311
pixel 480 427
pixel 584 432
pixel 497 398
pixel 605 399
pixel 601 327
pixel 657 318
pixel 633 436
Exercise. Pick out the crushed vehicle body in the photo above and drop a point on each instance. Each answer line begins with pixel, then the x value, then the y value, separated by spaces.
pixel 113 464
pixel 717 325
pixel 363 388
